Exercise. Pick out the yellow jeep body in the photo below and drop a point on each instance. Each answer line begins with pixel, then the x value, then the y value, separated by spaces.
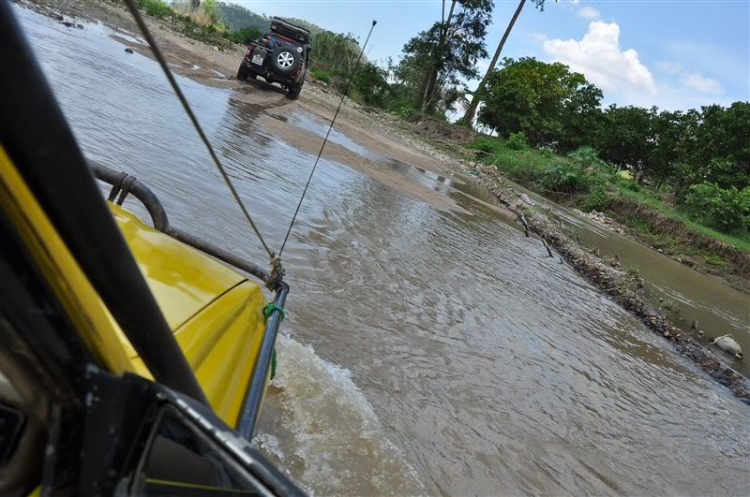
pixel 215 312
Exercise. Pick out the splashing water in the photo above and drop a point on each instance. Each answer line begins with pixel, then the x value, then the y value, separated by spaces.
pixel 332 439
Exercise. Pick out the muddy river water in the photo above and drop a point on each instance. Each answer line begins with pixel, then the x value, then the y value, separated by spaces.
pixel 425 351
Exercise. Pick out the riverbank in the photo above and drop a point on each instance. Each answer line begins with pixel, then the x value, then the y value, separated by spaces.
pixel 581 180
pixel 623 287
pixel 421 142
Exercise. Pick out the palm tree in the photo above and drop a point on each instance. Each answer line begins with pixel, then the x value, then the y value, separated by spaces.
pixel 472 110
pixel 468 118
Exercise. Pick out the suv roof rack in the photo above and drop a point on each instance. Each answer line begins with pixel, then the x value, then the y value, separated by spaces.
pixel 288 29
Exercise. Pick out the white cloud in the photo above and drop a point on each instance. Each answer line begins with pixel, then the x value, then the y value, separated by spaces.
pixel 589 12
pixel 703 84
pixel 601 59
pixel 669 67
pixel 692 80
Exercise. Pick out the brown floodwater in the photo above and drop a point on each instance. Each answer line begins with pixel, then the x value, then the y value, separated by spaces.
pixel 686 295
pixel 425 351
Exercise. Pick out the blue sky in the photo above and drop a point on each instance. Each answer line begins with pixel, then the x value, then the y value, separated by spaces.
pixel 672 54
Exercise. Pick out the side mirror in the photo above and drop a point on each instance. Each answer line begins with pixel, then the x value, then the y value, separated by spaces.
pixel 309 62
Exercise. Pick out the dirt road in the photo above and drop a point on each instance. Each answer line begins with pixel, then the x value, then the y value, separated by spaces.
pixel 216 66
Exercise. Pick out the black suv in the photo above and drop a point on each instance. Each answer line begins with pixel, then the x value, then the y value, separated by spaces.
pixel 279 56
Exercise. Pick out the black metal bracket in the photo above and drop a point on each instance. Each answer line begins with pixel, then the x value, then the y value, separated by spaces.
pixel 125 184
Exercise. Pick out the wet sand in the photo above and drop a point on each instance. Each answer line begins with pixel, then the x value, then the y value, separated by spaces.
pixel 217 67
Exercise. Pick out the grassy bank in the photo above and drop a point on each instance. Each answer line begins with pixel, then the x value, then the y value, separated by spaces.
pixel 623 286
pixel 581 180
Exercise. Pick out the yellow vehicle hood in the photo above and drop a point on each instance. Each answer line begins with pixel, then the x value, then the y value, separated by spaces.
pixel 215 312
pixel 183 280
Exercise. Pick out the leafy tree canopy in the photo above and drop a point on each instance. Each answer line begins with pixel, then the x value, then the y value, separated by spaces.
pixel 547 102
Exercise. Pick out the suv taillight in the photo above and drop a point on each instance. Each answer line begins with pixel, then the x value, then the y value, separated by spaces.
pixel 249 51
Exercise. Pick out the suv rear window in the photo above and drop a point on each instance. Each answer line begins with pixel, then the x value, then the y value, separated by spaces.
pixel 284 39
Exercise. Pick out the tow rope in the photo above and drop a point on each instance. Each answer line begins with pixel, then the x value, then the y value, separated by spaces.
pixel 325 140
pixel 277 271
pixel 173 82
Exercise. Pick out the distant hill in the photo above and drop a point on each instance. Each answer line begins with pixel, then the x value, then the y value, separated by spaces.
pixel 238 17
pixel 312 28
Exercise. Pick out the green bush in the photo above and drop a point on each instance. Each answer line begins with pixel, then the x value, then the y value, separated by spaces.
pixel 486 145
pixel 516 141
pixel 589 157
pixel 632 186
pixel 597 200
pixel 242 36
pixel 404 111
pixel 209 7
pixel 726 209
pixel 371 83
pixel 154 8
pixel 322 76
pixel 563 177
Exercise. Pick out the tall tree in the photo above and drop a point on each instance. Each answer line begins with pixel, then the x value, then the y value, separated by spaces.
pixel 448 50
pixel 630 139
pixel 468 118
pixel 547 102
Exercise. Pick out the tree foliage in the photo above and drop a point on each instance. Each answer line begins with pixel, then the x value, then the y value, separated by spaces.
pixel 243 36
pixel 727 209
pixel 478 95
pixel 702 155
pixel 238 17
pixel 335 52
pixel 547 102
pixel 436 59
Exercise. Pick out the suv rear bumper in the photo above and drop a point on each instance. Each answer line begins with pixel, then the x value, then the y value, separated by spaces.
pixel 265 69
pixel 270 76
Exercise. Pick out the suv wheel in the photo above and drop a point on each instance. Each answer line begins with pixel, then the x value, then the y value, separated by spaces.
pixel 242 73
pixel 294 91
pixel 285 60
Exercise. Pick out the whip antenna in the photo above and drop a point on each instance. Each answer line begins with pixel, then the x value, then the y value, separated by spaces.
pixel 323 146
pixel 173 82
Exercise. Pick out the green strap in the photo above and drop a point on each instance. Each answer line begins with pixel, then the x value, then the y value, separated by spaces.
pixel 269 308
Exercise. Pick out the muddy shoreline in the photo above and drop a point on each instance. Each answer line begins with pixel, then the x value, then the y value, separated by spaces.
pixel 216 66
pixel 625 289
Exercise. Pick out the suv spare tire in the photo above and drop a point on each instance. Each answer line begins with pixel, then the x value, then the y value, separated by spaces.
pixel 285 59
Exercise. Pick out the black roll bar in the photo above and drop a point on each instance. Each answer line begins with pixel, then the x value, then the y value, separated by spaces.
pixel 123 184
pixel 36 136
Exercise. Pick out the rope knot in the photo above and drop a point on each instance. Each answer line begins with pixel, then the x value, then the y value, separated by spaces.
pixel 277 273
